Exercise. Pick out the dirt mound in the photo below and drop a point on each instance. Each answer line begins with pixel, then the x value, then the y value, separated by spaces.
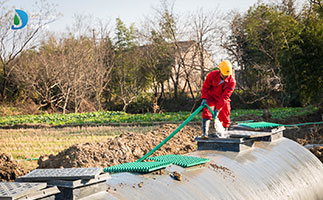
pixel 309 134
pixel 124 148
pixel 318 152
pixel 9 169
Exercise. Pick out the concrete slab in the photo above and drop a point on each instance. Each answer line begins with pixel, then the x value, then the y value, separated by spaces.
pixel 243 128
pixel 14 190
pixel 80 182
pixel 235 147
pixel 80 192
pixel 247 134
pixel 61 174
pixel 276 136
pixel 44 194
pixel 220 140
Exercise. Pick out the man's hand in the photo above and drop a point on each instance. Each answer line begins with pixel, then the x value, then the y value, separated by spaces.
pixel 203 102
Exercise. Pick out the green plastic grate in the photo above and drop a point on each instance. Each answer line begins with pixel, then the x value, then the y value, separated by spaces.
pixel 141 167
pixel 260 125
pixel 183 161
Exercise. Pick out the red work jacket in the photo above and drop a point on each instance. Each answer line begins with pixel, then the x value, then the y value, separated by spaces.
pixel 216 89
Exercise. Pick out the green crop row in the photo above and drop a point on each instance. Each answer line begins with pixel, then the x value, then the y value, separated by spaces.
pixel 276 113
pixel 122 117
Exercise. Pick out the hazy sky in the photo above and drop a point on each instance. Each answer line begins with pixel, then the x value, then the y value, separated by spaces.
pixel 130 11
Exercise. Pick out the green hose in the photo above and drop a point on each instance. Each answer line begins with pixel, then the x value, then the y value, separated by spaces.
pixel 176 131
pixel 210 109
pixel 302 124
pixel 30 159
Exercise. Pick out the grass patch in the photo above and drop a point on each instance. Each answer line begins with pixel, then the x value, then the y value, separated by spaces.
pixel 31 143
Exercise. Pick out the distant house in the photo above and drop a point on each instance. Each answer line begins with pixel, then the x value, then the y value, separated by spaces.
pixel 192 64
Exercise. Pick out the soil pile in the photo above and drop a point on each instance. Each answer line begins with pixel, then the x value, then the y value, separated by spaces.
pixel 318 152
pixel 9 169
pixel 177 176
pixel 127 147
pixel 309 134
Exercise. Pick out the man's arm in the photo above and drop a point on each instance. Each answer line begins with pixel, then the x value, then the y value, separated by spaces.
pixel 226 94
pixel 207 85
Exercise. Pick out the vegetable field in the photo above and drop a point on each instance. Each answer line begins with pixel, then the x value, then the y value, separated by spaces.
pixel 110 117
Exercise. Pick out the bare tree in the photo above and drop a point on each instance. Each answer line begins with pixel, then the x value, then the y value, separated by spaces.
pixel 37 75
pixel 206 28
pixel 71 73
pixel 104 61
pixel 89 65
pixel 14 42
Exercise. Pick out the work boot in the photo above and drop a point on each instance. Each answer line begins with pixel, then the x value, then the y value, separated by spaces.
pixel 205 127
pixel 223 134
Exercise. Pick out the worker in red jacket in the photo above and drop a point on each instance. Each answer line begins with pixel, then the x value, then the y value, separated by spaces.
pixel 216 91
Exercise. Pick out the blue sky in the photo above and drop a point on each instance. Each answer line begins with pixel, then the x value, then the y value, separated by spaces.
pixel 130 11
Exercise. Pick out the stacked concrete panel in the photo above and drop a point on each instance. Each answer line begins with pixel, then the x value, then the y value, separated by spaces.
pixel 73 183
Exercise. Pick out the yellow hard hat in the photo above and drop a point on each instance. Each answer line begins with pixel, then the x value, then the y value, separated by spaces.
pixel 225 68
